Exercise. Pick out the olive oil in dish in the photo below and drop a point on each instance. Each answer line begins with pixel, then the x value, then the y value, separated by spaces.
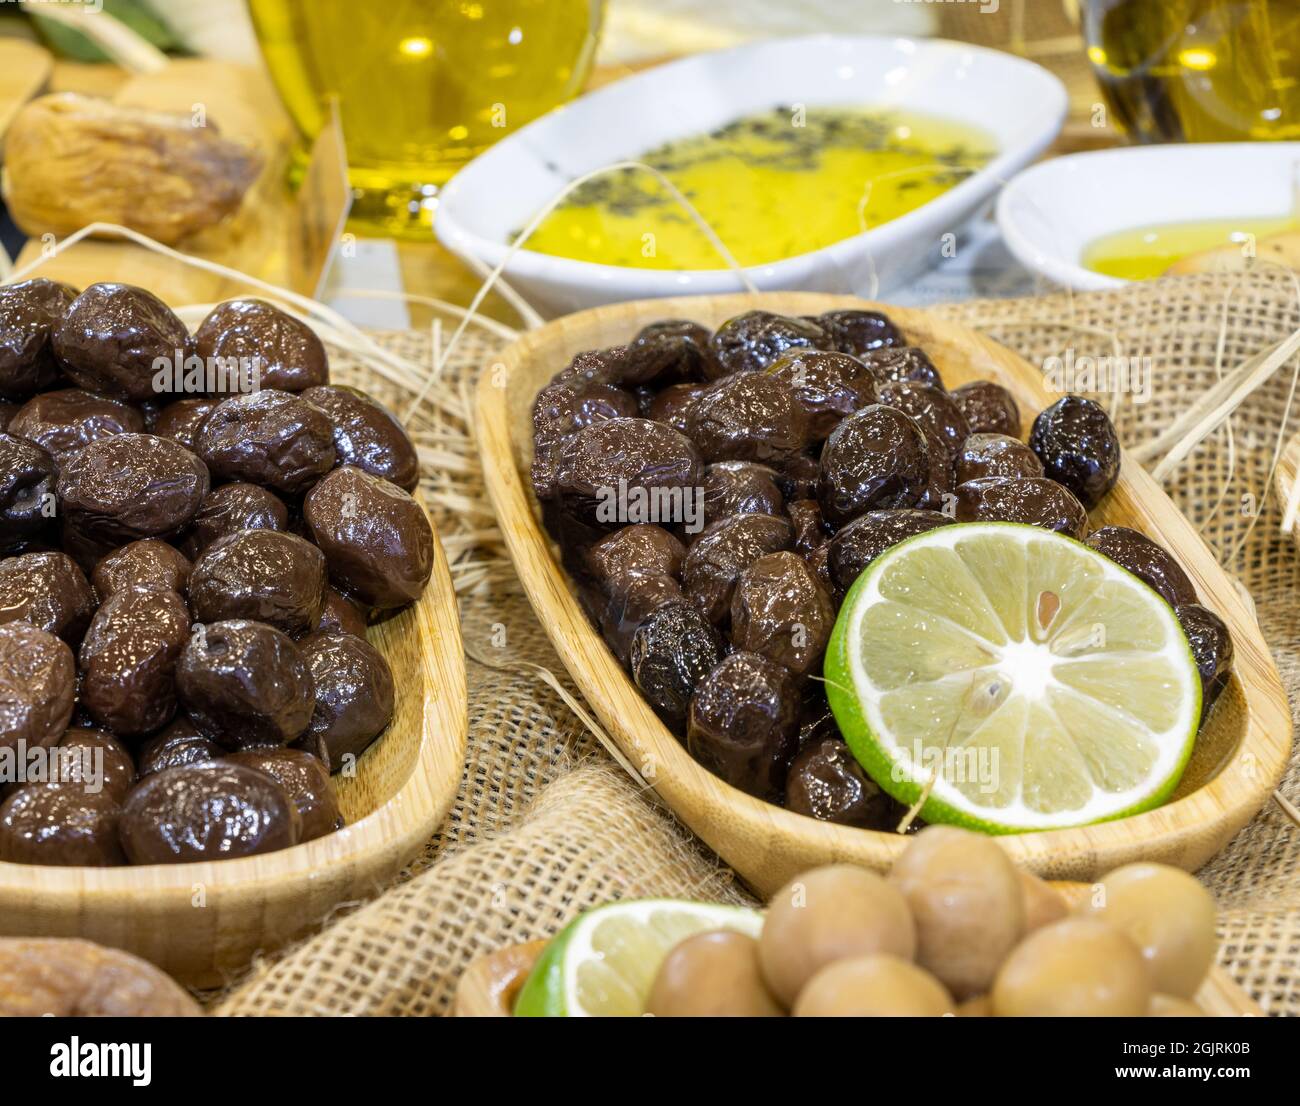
pixel 771 185
pixel 1142 253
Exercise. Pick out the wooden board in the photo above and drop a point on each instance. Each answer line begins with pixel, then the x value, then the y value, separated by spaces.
pixel 202 923
pixel 1239 755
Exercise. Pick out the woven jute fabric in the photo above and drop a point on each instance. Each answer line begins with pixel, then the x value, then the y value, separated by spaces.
pixel 545 825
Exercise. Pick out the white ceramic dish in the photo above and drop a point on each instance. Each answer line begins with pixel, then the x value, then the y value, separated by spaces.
pixel 1018 103
pixel 1051 212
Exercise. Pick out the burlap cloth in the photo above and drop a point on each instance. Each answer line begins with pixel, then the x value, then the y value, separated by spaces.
pixel 545 825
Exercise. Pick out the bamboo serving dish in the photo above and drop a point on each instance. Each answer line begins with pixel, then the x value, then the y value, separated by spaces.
pixel 491 984
pixel 1239 755
pixel 201 923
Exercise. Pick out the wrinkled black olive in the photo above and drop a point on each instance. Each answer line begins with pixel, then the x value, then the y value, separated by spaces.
pixel 131 486
pixel 367 434
pixel 305 780
pixel 180 743
pixel 1149 561
pixel 63 825
pixel 27 499
pixel 66 420
pixel 600 464
pixel 877 458
pixel 903 363
pixel 638 550
pixel 564 407
pixel 181 420
pixel 30 312
pixel 39 676
pixel 245 684
pixel 95 760
pixel 1211 645
pixel 271 438
pixel 857 332
pixel 286 352
pixel 828 386
pixel 672 405
pixel 809 529
pixel 984 455
pixel 719 555
pixel 628 606
pixel 210 811
pixel 797 478
pixel 354 694
pixel 1033 500
pixel 781 610
pixel 754 340
pixel 672 651
pixel 666 352
pixel 1076 442
pixel 231 508
pixel 128 659
pixel 264 575
pixel 944 427
pixel 737 488
pixel 826 782
pixel 376 538
pixel 146 563
pixel 744 724
pixel 989 408
pixel 748 417
pixel 49 591
pixel 111 336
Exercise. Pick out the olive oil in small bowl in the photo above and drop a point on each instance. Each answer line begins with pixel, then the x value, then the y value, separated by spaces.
pixel 1143 253
pixel 771 185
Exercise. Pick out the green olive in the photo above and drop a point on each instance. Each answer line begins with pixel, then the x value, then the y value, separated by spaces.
pixel 873 987
pixel 1078 967
pixel 1168 1006
pixel 712 975
pixel 1167 914
pixel 966 897
pixel 830 914
pixel 1043 904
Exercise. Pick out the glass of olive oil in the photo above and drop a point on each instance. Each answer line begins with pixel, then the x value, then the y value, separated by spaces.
pixel 1198 70
pixel 422 85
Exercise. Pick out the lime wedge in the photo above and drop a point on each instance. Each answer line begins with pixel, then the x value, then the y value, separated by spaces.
pixel 603 963
pixel 1027 681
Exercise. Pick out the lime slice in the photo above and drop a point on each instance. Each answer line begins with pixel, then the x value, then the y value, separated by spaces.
pixel 603 963
pixel 1028 681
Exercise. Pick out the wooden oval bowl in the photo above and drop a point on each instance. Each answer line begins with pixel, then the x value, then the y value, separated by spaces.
pixel 202 923
pixel 490 985
pixel 1239 755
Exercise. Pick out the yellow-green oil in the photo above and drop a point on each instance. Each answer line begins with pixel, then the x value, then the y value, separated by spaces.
pixel 771 186
pixel 1141 253
pixel 422 86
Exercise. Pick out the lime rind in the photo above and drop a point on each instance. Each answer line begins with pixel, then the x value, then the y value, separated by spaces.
pixel 572 967
pixel 947 803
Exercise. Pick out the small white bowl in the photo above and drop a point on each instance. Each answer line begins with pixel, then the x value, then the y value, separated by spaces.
pixel 1053 211
pixel 1020 105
